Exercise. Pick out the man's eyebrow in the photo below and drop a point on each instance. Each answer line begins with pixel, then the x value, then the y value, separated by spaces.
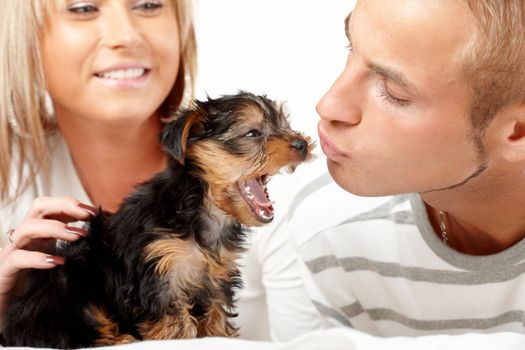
pixel 347 25
pixel 385 72
pixel 392 75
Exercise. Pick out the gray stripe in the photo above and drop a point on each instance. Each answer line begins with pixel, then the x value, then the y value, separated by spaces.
pixel 495 262
pixel 384 212
pixel 416 273
pixel 332 313
pixel 322 263
pixel 404 217
pixel 380 314
pixel 353 310
pixel 310 188
pixel 307 190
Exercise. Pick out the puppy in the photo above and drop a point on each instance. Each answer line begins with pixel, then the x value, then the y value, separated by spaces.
pixel 164 265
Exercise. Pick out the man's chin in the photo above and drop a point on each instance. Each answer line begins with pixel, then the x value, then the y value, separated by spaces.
pixel 355 184
pixel 342 177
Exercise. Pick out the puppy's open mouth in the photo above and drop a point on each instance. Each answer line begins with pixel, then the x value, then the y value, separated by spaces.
pixel 256 196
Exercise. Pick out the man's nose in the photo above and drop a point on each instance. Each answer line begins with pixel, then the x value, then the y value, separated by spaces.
pixel 342 102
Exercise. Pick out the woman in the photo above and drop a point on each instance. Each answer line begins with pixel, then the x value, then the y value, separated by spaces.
pixel 84 89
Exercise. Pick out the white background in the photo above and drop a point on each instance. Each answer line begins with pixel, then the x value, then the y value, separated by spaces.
pixel 291 50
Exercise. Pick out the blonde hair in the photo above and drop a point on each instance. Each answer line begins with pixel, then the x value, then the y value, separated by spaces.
pixel 495 64
pixel 24 119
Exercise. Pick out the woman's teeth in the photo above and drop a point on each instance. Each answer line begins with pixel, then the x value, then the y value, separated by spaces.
pixel 123 74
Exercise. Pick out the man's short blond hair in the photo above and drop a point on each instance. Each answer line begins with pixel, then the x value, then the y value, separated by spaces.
pixel 495 62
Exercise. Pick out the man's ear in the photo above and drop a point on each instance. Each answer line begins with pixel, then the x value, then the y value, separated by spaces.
pixel 175 135
pixel 514 133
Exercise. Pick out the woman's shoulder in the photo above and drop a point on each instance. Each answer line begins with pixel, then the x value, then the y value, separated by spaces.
pixel 58 178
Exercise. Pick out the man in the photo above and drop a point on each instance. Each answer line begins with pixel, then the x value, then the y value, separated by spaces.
pixel 430 112
pixel 417 109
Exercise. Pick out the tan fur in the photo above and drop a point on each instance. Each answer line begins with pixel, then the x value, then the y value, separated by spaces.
pixel 221 176
pixel 218 270
pixel 109 331
pixel 189 267
pixel 192 120
pixel 278 153
pixel 216 322
pixel 252 115
pixel 183 284
pixel 179 261
pixel 184 263
pixel 181 327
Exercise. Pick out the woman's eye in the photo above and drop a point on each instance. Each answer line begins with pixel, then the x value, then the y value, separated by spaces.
pixel 253 133
pixel 149 5
pixel 83 9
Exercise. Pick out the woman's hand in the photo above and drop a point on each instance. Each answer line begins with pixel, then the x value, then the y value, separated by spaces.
pixel 46 221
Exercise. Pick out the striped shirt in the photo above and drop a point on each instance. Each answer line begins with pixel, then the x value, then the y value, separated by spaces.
pixel 376 265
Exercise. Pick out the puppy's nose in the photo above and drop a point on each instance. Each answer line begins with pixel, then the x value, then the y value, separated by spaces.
pixel 301 146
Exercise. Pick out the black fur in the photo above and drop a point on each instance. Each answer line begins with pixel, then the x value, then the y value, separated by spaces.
pixel 107 268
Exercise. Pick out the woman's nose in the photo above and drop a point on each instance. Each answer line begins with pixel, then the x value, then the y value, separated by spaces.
pixel 341 103
pixel 120 28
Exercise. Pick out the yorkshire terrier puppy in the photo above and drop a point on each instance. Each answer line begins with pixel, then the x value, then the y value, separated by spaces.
pixel 164 265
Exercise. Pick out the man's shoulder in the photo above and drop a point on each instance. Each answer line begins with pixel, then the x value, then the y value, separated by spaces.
pixel 314 202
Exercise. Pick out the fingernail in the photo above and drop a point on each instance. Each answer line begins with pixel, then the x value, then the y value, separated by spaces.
pixel 55 260
pixel 89 209
pixel 76 231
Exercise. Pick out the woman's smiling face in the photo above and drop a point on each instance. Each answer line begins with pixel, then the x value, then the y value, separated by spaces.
pixel 110 60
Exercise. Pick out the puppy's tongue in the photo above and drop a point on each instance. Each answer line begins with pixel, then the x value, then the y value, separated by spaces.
pixel 260 196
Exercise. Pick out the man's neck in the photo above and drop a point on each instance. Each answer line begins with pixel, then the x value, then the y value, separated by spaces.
pixel 479 221
pixel 470 239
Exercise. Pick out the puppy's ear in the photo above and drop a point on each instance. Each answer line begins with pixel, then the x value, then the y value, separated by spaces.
pixel 175 135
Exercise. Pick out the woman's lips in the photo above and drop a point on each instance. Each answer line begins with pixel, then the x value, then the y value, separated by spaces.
pixel 130 75
pixel 126 79
pixel 329 149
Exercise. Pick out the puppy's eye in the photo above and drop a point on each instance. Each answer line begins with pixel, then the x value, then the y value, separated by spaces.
pixel 253 133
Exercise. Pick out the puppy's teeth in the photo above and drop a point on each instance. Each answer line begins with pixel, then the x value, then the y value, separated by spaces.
pixel 250 196
pixel 264 216
pixel 248 189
